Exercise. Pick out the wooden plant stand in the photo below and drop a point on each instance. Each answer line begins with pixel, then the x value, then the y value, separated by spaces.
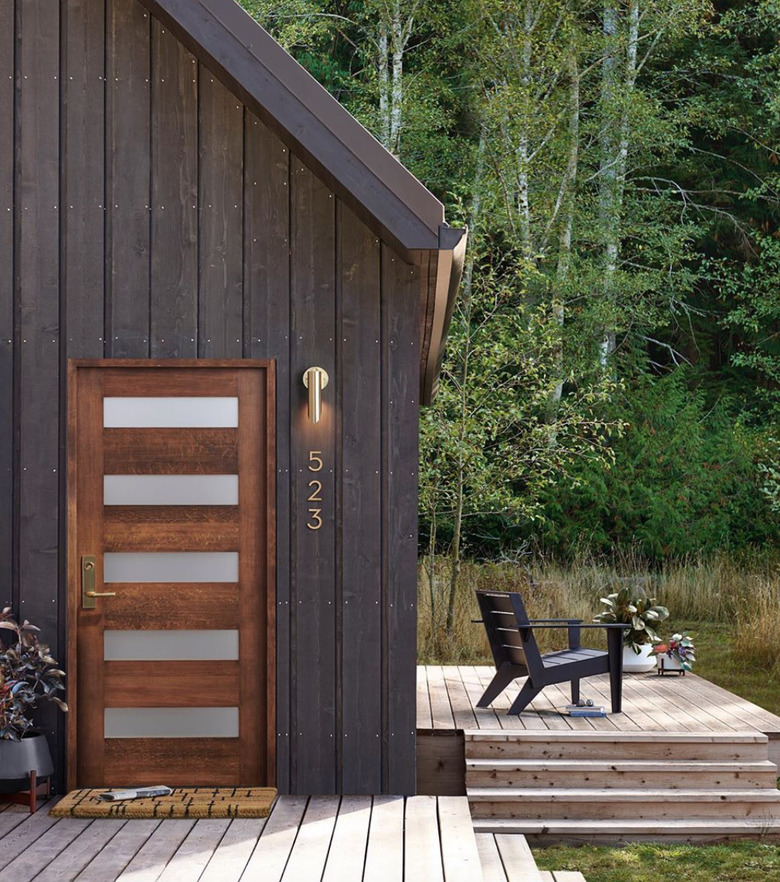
pixel 29 797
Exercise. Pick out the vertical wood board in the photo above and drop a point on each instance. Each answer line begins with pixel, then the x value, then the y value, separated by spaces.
pixel 220 220
pixel 7 330
pixel 360 403
pixel 127 174
pixel 174 269
pixel 313 494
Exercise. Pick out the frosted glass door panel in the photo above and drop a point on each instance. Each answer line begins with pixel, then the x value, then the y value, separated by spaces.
pixel 170 645
pixel 171 722
pixel 170 489
pixel 170 413
pixel 171 566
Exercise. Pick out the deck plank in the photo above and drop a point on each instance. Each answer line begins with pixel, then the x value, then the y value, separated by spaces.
pixel 24 835
pixel 310 851
pixel 517 858
pixel 38 854
pixel 12 816
pixel 192 856
pixel 346 858
pixel 233 852
pixel 422 854
pixel 276 842
pixel 458 845
pixel 110 862
pixel 441 709
pixel 81 851
pixel 424 717
pixel 150 860
pixel 385 853
pixel 462 709
pixel 492 867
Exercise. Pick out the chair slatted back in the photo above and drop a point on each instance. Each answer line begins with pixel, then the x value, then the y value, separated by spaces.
pixel 504 616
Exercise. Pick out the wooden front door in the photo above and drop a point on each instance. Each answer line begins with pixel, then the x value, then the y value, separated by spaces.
pixel 171 590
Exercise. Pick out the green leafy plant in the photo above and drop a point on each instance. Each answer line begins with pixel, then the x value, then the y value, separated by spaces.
pixel 27 673
pixel 631 606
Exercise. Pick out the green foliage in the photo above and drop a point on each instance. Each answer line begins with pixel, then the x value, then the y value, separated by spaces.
pixel 685 478
pixel 631 606
pixel 613 368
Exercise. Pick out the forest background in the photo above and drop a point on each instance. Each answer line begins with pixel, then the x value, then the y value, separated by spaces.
pixel 611 390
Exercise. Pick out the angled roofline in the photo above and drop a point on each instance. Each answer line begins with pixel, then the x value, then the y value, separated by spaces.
pixel 324 135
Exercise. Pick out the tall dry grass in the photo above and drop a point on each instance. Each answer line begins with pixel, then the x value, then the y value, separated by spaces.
pixel 742 594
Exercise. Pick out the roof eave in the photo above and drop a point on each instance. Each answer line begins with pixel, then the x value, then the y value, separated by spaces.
pixel 451 254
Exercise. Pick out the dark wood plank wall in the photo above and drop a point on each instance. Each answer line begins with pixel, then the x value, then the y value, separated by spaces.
pixel 145 212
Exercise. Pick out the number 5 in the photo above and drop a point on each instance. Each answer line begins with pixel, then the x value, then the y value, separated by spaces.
pixel 314 456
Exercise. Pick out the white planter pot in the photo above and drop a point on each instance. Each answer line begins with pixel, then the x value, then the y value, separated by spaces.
pixel 665 663
pixel 638 664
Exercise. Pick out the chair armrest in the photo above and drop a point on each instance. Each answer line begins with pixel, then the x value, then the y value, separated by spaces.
pixel 564 624
pixel 563 621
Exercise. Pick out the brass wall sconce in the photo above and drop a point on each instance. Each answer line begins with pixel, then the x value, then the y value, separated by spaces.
pixel 315 379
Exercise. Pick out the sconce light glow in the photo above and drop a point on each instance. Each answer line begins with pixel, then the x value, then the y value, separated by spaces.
pixel 315 379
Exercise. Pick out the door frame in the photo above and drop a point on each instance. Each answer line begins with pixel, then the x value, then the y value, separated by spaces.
pixel 74 569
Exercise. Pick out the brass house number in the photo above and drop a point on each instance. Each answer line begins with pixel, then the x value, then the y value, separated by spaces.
pixel 315 491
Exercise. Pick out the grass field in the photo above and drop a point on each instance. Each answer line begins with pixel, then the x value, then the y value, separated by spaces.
pixel 738 862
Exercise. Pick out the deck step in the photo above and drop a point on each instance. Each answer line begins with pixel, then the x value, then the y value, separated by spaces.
pixel 603 773
pixel 679 746
pixel 640 804
pixel 626 830
pixel 507 857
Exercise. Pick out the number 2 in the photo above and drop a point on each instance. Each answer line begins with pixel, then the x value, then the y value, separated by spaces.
pixel 315 494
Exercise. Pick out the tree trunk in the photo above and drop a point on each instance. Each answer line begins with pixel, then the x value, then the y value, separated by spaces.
pixel 383 76
pixel 523 146
pixel 615 150
pixel 397 89
pixel 567 223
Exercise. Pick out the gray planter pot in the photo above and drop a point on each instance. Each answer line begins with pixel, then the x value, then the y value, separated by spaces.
pixel 19 758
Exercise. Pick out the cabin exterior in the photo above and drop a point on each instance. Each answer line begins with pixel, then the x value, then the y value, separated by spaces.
pixel 186 215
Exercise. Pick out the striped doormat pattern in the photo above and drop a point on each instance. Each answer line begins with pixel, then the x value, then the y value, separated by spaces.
pixel 184 802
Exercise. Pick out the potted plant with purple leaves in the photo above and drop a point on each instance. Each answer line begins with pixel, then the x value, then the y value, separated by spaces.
pixel 678 654
pixel 28 674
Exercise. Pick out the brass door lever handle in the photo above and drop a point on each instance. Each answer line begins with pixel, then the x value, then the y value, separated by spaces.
pixel 88 593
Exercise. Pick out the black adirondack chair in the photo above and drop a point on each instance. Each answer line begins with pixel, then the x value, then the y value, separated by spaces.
pixel 515 653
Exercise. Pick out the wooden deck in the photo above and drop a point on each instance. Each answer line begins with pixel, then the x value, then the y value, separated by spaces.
pixel 447 698
pixel 316 839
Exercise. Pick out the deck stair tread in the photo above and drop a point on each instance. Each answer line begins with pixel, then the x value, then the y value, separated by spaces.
pixel 684 826
pixel 615 794
pixel 638 737
pixel 668 768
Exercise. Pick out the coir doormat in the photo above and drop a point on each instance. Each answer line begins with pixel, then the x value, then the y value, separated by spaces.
pixel 184 802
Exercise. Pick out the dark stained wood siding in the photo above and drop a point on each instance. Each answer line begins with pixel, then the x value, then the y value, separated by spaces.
pixel 146 212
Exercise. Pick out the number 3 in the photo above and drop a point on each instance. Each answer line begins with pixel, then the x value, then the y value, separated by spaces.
pixel 315 518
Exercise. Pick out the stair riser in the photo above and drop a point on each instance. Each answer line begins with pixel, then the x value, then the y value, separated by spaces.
pixel 626 810
pixel 616 751
pixel 704 780
pixel 594 838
